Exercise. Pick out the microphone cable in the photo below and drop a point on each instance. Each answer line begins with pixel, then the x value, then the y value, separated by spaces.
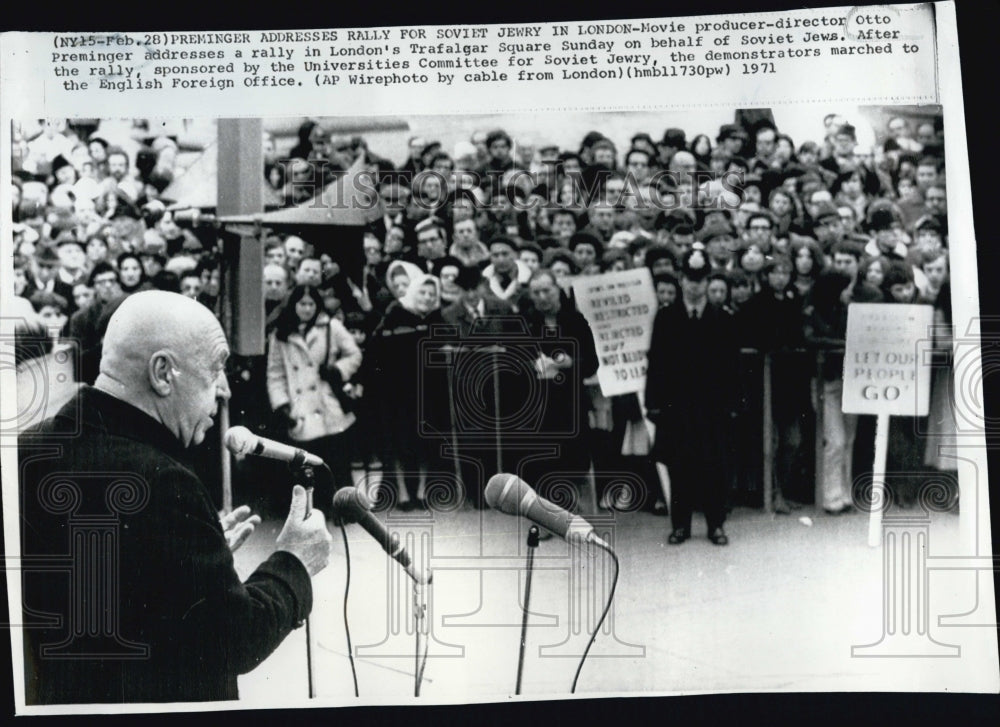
pixel 338 521
pixel 604 614
pixel 421 660
pixel 347 590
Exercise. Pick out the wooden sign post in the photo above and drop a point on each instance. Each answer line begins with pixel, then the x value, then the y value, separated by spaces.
pixel 886 373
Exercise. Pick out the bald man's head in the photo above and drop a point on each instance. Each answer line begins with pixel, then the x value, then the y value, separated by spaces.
pixel 165 354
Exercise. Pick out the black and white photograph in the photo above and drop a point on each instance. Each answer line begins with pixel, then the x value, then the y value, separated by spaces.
pixel 333 408
pixel 410 323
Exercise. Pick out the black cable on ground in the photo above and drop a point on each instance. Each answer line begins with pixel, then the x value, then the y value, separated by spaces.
pixel 604 615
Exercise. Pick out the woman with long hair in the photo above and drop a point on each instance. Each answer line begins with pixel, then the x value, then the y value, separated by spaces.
pixel 808 262
pixel 701 147
pixel 310 359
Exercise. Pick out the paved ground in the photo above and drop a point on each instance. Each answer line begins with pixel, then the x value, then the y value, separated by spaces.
pixel 778 609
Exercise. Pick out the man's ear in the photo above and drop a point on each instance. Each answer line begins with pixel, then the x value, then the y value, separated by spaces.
pixel 161 373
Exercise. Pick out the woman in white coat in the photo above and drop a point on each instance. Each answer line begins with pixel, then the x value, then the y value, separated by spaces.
pixel 311 357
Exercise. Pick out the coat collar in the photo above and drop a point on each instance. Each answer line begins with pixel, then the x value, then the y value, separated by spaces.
pixel 119 418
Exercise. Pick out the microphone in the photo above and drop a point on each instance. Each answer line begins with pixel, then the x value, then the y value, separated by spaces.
pixel 241 441
pixel 193 217
pixel 353 506
pixel 512 495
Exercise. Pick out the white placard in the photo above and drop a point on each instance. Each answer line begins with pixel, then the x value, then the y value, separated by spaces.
pixel 620 308
pixel 885 361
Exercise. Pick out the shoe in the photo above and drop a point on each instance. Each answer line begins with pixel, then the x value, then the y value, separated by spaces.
pixel 781 507
pixel 678 536
pixel 718 537
pixel 408 506
pixel 660 508
pixel 838 510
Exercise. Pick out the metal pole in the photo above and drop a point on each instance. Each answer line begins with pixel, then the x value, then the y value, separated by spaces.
pixel 227 462
pixel 496 407
pixel 820 404
pixel 308 478
pixel 452 357
pixel 878 480
pixel 239 190
pixel 532 544
pixel 768 439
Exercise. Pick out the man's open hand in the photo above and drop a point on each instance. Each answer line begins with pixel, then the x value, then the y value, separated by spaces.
pixel 238 525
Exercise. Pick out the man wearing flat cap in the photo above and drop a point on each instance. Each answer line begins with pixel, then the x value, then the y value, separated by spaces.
pixel 46 267
pixel 72 267
pixel 827 226
pixel 721 244
pixel 691 396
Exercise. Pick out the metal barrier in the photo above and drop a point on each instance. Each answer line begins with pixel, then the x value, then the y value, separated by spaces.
pixel 768 433
pixel 768 443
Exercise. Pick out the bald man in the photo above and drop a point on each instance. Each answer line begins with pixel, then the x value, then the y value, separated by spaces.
pixel 142 603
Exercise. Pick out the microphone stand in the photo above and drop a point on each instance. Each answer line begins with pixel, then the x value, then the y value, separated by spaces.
pixel 308 479
pixel 532 544
pixel 419 624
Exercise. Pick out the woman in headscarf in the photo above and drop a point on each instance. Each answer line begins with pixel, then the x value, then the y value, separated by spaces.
pixel 398 276
pixel 132 274
pixel 310 359
pixel 402 385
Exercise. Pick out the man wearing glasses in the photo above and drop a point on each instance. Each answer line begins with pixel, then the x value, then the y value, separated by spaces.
pixel 760 232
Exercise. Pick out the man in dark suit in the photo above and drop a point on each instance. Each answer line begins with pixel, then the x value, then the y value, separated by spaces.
pixel 479 322
pixel 394 191
pixel 691 396
pixel 143 604
pixel 475 303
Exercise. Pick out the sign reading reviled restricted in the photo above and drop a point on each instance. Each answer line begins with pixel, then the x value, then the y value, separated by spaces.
pixel 885 359
pixel 620 308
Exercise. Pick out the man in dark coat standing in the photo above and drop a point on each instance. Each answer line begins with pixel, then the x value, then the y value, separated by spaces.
pixel 691 396
pixel 563 356
pixel 140 601
pixel 478 321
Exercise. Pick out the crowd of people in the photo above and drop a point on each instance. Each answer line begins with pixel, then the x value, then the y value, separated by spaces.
pixel 457 347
